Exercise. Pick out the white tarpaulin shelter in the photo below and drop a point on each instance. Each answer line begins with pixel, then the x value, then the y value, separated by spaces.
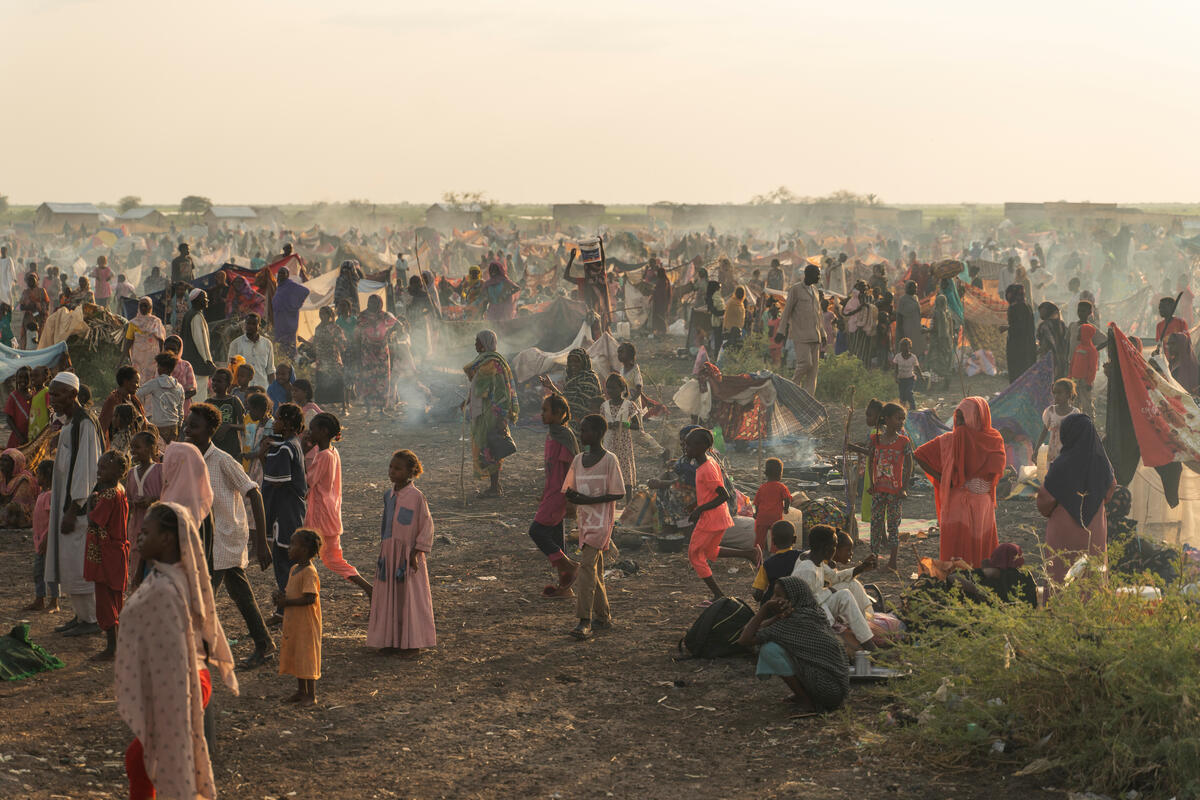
pixel 320 294
pixel 531 362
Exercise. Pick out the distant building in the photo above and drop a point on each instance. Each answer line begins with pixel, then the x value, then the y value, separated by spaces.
pixel 269 216
pixel 52 217
pixel 585 215
pixel 445 217
pixel 144 220
pixel 229 217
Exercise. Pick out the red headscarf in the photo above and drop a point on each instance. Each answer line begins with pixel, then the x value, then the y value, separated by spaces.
pixel 973 449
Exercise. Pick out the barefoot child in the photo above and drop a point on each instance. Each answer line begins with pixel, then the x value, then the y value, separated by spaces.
pixel 300 650
pixel 46 594
pixel 324 514
pixel 770 503
pixel 594 484
pixel 106 562
pixel 711 516
pixel 621 417
pixel 890 464
pixel 402 604
pixel 546 530
pixel 908 369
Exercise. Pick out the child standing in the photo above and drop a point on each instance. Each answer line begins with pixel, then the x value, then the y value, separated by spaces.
pixel 1063 392
pixel 594 484
pixel 258 423
pixel 163 398
pixel 143 485
pixel 229 436
pixel 45 594
pixel 300 650
pixel 106 563
pixel 711 516
pixel 402 604
pixel 302 395
pixel 546 530
pixel 908 369
pixel 891 466
pixel 285 491
pixel 621 417
pixel 324 513
pixel 1085 358
pixel 770 503
pixel 632 373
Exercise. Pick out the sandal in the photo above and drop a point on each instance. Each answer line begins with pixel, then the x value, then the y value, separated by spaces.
pixel 556 592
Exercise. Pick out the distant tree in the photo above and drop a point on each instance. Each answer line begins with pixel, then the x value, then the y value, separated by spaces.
pixel 776 196
pixel 127 202
pixel 195 204
pixel 460 199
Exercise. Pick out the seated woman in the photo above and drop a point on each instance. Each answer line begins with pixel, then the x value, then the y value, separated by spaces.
pixel 18 490
pixel 1002 574
pixel 799 647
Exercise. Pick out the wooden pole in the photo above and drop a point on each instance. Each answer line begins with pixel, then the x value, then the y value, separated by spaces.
pixel 851 515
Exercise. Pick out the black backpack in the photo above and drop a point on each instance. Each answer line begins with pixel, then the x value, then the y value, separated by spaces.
pixel 715 633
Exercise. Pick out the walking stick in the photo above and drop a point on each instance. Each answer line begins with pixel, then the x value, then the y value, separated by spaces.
pixel 851 516
pixel 462 462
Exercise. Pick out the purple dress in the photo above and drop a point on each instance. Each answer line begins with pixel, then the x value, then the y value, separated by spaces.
pixel 289 299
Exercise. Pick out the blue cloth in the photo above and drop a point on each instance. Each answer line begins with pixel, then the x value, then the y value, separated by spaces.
pixel 774 660
pixel 12 359
pixel 278 394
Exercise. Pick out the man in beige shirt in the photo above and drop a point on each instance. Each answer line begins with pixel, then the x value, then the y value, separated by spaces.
pixel 803 324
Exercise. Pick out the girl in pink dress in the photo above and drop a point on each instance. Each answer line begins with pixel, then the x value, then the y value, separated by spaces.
pixel 401 603
pixel 323 467
pixel 143 485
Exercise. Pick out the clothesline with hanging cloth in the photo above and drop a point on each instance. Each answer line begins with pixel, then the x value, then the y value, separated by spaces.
pixel 1150 417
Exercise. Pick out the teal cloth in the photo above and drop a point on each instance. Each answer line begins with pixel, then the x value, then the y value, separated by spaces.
pixel 21 658
pixel 773 660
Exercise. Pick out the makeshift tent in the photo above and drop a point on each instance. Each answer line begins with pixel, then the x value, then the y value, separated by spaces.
pixel 751 406
pixel 551 328
pixel 532 362
pixel 1150 417
pixel 320 294
pixel 984 314
pixel 12 359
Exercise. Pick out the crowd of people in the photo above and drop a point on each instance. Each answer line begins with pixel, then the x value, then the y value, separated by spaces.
pixel 207 455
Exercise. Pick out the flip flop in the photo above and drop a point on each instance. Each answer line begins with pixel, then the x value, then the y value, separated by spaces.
pixel 705 603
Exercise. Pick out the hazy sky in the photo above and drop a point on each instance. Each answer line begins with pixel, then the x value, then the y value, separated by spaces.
pixel 616 101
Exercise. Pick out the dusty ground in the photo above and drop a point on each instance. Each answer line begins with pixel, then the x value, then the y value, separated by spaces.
pixel 507 705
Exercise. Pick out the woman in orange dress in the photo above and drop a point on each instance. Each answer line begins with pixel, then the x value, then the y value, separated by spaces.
pixel 965 465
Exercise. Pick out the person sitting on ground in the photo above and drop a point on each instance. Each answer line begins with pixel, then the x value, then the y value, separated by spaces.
pixel 840 605
pixel 780 564
pixel 798 646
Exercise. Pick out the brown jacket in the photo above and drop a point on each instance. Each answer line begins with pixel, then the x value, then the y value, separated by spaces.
pixel 802 314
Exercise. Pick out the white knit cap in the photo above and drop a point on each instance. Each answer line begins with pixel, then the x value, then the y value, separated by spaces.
pixel 68 378
pixel 194 293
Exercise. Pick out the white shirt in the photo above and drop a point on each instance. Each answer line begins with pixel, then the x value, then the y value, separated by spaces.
pixel 231 531
pixel 166 400
pixel 905 367
pixel 260 355
pixel 8 278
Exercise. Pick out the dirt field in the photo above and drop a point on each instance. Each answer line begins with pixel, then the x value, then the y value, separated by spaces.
pixel 507 705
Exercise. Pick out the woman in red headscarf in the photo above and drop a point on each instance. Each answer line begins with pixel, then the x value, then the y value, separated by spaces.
pixel 965 465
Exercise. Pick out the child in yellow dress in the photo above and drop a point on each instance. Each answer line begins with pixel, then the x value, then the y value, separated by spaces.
pixel 300 651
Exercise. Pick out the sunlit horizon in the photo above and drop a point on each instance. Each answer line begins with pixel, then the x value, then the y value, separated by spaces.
pixel 634 102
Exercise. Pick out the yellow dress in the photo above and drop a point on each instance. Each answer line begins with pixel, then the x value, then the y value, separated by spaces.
pixel 300 651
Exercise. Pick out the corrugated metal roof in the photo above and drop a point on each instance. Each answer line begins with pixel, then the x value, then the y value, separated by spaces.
pixel 137 213
pixel 233 212
pixel 72 208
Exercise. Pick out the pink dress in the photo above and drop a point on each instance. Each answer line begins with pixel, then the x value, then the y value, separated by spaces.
pixel 146 331
pixel 187 379
pixel 323 470
pixel 1065 540
pixel 140 485
pixel 402 603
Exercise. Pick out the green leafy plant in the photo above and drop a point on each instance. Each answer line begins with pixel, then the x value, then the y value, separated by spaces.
pixel 1099 689
pixel 839 374
pixel 751 355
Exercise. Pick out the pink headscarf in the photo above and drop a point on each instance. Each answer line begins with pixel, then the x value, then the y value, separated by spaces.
pixel 185 480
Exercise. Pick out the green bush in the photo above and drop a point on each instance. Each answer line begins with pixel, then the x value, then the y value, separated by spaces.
pixel 752 355
pixel 839 374
pixel 1100 689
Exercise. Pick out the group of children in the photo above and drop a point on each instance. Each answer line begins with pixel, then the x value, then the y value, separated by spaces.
pixel 271 478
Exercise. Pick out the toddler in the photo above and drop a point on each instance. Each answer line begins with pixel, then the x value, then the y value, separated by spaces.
pixel 770 503
pixel 908 369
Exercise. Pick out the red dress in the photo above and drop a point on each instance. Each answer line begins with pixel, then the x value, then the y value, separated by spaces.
pixel 106 561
